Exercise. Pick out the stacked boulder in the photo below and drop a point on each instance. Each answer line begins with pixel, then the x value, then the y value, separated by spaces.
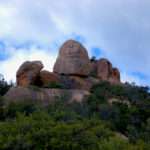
pixel 73 70
pixel 106 72
pixel 28 73
pixel 31 73
pixel 73 66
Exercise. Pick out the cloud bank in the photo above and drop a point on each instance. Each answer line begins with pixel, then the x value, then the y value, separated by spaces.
pixel 119 29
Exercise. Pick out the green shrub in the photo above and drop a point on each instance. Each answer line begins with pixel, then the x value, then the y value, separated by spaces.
pixel 26 107
pixel 90 125
pixel 4 86
pixel 54 85
pixel 40 131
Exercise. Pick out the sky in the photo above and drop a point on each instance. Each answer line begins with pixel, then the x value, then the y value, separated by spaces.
pixel 116 29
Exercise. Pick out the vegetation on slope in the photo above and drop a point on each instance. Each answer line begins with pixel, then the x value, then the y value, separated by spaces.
pixel 95 124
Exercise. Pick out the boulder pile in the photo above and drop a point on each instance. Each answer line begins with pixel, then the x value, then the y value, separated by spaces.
pixel 73 70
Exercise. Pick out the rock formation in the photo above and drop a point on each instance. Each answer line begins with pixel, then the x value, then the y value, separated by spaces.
pixel 44 96
pixel 73 70
pixel 28 73
pixel 72 60
pixel 115 76
pixel 77 82
pixel 47 77
pixel 104 70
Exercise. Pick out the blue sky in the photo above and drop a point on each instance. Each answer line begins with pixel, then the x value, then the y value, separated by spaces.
pixel 116 29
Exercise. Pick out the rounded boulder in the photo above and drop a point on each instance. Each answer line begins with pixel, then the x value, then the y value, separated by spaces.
pixel 73 59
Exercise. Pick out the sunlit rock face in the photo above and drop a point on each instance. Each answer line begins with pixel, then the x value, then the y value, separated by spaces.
pixel 47 77
pixel 106 72
pixel 73 69
pixel 72 60
pixel 28 72
pixel 74 73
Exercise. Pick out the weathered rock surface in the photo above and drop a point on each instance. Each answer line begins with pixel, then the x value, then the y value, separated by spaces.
pixel 76 82
pixel 47 77
pixel 104 69
pixel 28 72
pixel 115 76
pixel 94 67
pixel 106 72
pixel 72 60
pixel 44 96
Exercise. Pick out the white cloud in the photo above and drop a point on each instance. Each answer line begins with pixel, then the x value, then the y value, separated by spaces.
pixel 125 77
pixel 121 28
pixel 10 66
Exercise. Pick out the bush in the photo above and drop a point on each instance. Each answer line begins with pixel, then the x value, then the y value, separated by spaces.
pixel 94 124
pixel 55 85
pixel 26 107
pixel 4 86
pixel 40 131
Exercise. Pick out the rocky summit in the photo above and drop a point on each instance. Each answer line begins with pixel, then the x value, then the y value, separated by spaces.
pixel 73 59
pixel 73 70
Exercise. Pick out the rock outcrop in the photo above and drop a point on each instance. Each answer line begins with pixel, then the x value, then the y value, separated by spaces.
pixel 47 77
pixel 73 71
pixel 28 73
pixel 77 82
pixel 44 96
pixel 72 60
pixel 115 76
pixel 104 70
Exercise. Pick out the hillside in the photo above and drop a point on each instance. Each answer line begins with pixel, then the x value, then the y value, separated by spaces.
pixel 81 105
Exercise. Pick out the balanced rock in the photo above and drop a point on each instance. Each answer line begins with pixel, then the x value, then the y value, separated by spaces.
pixel 28 73
pixel 47 77
pixel 72 60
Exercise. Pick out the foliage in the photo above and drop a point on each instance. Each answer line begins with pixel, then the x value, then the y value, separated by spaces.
pixel 95 124
pixel 54 85
pixel 93 59
pixel 130 118
pixel 4 86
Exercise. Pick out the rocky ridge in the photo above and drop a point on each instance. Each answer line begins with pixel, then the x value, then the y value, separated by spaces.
pixel 73 70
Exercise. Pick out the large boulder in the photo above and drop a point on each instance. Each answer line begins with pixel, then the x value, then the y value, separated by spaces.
pixel 72 60
pixel 106 72
pixel 47 77
pixel 28 73
pixel 43 96
pixel 104 69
